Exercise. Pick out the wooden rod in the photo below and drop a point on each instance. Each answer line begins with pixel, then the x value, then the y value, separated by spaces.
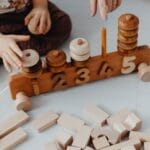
pixel 104 41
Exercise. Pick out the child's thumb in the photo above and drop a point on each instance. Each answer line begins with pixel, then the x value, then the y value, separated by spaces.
pixel 22 38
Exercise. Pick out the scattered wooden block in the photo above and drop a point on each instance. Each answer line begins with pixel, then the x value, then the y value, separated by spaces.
pixel 70 122
pixel 13 139
pixel 88 148
pixel 131 142
pixel 96 114
pixel 64 139
pixel 73 148
pixel 133 122
pixel 146 145
pixel 112 135
pixel 100 143
pixel 118 117
pixel 82 137
pixel 52 146
pixel 128 148
pixel 139 135
pixel 45 121
pixel 13 122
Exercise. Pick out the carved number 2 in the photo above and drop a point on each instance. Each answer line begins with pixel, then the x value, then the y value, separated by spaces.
pixel 128 64
pixel 83 76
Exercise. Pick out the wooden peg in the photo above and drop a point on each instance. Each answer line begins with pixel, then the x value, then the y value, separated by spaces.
pixel 104 41
pixel 23 102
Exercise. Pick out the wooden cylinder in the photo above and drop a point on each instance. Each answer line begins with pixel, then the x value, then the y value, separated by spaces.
pixel 23 102
pixel 104 41
pixel 127 33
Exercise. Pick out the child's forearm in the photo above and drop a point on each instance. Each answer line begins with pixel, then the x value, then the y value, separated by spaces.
pixel 39 3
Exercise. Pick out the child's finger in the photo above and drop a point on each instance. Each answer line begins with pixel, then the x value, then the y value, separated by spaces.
pixel 119 2
pixel 109 5
pixel 7 65
pixel 28 18
pixel 49 24
pixel 93 6
pixel 19 38
pixel 103 8
pixel 42 25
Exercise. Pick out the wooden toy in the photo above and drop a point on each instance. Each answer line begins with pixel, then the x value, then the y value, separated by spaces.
pixel 60 74
pixel 88 148
pixel 82 137
pixel 128 148
pixel 52 146
pixel 73 148
pixel 64 139
pixel 70 122
pixel 13 139
pixel 143 137
pixel 45 121
pixel 13 122
pixel 146 145
pixel 96 114
pixel 132 142
pixel 100 143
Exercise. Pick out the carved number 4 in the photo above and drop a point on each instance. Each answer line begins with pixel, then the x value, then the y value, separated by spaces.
pixel 128 64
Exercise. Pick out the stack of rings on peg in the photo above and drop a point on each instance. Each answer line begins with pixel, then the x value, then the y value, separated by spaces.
pixel 79 51
pixel 31 63
pixel 127 33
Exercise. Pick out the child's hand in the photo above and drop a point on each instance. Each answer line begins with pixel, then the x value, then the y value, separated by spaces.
pixel 10 52
pixel 105 6
pixel 38 20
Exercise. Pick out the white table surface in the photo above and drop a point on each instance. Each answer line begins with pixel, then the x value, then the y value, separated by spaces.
pixel 112 94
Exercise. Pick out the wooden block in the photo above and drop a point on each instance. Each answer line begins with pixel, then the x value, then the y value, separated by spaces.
pixel 70 122
pixel 132 142
pixel 88 148
pixel 146 145
pixel 45 121
pixel 64 139
pixel 118 117
pixel 23 102
pixel 96 114
pixel 52 146
pixel 82 137
pixel 13 122
pixel 112 135
pixel 13 139
pixel 128 148
pixel 100 143
pixel 120 128
pixel 133 122
pixel 73 148
pixel 143 137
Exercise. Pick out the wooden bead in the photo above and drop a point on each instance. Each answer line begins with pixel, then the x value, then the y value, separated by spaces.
pixel 56 58
pixel 128 33
pixel 127 40
pixel 124 46
pixel 23 102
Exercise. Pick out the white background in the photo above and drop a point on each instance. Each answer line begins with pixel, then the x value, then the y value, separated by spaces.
pixel 112 94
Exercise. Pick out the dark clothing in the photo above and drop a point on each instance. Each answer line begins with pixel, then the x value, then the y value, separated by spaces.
pixel 13 23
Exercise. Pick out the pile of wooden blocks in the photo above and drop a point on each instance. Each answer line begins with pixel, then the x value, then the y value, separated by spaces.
pixel 107 132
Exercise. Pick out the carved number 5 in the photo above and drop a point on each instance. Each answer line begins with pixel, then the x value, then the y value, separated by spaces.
pixel 128 64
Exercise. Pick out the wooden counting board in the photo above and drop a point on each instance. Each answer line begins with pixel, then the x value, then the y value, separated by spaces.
pixel 60 74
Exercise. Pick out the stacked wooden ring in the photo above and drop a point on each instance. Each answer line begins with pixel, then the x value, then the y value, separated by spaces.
pixel 31 62
pixel 127 32
pixel 79 49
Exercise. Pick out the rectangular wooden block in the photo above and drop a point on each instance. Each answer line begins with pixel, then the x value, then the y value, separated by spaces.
pixel 143 137
pixel 96 114
pixel 13 139
pixel 64 139
pixel 100 143
pixel 73 148
pixel 13 122
pixel 131 142
pixel 146 145
pixel 82 137
pixel 52 146
pixel 128 148
pixel 88 148
pixel 70 122
pixel 45 121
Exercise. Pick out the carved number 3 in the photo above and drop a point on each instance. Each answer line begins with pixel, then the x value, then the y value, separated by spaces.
pixel 83 76
pixel 128 64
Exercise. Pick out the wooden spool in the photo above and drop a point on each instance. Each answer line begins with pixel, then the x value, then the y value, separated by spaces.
pixel 23 102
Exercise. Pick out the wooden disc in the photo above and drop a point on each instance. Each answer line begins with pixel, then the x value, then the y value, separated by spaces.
pixel 56 58
pixel 127 46
pixel 23 102
pixel 127 40
pixel 80 46
pixel 128 22
pixel 130 33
